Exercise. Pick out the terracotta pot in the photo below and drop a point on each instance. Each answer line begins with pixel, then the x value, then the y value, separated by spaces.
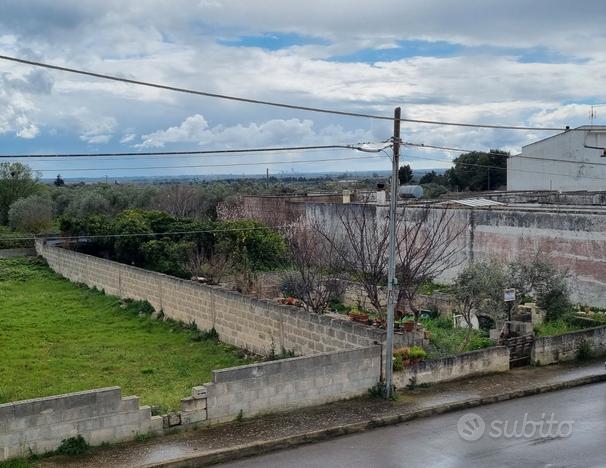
pixel 409 326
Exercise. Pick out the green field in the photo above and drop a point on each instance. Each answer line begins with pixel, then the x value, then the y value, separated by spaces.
pixel 58 337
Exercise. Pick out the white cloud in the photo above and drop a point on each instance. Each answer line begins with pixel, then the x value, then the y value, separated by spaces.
pixel 292 132
pixel 28 132
pixel 128 138
pixel 176 43
pixel 98 130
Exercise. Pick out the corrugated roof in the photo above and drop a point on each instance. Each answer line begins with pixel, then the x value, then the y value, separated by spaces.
pixel 475 202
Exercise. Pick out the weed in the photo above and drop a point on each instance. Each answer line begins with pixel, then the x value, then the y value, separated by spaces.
pixel 143 437
pixel 380 390
pixel 240 416
pixel 412 384
pixel 584 352
pixel 15 463
pixel 73 446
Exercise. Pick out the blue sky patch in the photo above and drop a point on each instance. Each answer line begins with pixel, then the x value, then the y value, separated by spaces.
pixel 419 48
pixel 273 41
pixel 404 49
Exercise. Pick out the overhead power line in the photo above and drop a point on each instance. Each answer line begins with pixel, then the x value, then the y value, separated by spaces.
pixel 257 163
pixel 146 234
pixel 175 153
pixel 507 155
pixel 499 168
pixel 273 103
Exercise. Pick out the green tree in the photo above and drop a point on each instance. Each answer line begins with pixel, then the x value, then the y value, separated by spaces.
pixel 539 278
pixel 16 181
pixel 477 171
pixel 405 174
pixel 33 214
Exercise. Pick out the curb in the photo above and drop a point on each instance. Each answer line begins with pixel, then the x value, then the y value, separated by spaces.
pixel 262 447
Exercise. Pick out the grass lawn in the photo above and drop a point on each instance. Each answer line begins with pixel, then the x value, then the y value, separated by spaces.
pixel 58 337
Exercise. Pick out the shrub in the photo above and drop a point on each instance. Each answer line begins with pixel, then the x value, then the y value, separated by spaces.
pixel 398 365
pixel 416 352
pixel 32 214
pixel 73 446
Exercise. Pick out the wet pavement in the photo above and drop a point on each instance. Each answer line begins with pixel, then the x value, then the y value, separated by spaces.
pixel 508 434
pixel 277 426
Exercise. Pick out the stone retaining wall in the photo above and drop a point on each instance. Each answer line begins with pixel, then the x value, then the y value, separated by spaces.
pixel 483 361
pixel 552 349
pixel 40 425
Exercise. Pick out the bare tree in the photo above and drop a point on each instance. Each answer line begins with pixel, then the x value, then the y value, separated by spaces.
pixel 178 200
pixel 212 266
pixel 426 246
pixel 315 261
pixel 360 239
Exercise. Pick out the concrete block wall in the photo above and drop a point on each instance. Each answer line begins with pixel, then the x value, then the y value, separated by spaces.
pixel 292 383
pixel 40 425
pixel 482 361
pixel 552 349
pixel 19 252
pixel 243 321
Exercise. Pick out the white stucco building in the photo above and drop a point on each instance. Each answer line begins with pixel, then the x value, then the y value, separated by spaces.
pixel 564 162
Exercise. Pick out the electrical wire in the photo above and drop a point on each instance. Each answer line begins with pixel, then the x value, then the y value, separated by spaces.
pixel 205 165
pixel 146 234
pixel 273 103
pixel 499 168
pixel 176 153
pixel 506 155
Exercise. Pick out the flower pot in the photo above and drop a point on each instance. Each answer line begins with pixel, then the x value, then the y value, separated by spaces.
pixel 409 326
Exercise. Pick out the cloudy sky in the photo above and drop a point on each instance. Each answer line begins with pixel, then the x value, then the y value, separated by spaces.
pixel 539 63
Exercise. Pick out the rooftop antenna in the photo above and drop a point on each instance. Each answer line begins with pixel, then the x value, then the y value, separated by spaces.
pixel 593 115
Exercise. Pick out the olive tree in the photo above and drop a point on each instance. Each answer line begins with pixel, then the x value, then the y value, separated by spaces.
pixel 478 289
pixel 33 214
pixel 539 278
pixel 16 181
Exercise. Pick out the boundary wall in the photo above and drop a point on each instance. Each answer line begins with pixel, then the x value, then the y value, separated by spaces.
pixel 482 361
pixel 339 360
pixel 552 349
pixel 243 321
pixel 39 425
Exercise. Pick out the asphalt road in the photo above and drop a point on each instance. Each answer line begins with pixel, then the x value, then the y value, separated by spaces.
pixel 575 436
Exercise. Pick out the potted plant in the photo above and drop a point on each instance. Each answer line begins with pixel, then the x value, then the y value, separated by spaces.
pixel 359 317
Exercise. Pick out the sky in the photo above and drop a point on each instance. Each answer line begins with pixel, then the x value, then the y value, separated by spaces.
pixel 539 63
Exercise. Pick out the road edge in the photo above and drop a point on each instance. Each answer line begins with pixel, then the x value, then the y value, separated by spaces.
pixel 267 446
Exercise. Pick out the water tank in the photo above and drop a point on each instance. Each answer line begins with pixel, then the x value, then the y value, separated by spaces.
pixel 411 191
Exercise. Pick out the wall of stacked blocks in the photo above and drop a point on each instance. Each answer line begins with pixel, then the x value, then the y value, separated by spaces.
pixel 337 359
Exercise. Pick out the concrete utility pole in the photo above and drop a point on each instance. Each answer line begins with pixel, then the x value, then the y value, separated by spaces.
pixel 391 272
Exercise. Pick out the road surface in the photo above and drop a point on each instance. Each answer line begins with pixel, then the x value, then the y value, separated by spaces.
pixel 562 429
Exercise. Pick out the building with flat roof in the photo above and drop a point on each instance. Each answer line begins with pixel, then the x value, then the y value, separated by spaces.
pixel 570 161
